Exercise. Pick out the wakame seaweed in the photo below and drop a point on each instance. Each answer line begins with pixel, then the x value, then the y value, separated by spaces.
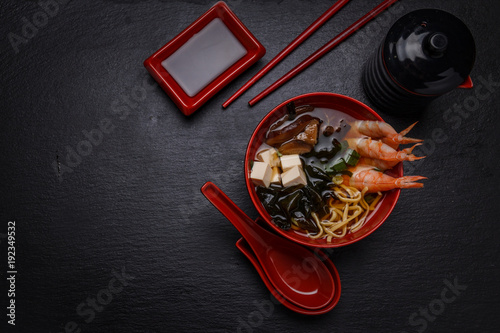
pixel 293 205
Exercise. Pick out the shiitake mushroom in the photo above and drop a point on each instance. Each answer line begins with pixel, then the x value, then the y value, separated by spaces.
pixel 310 133
pixel 295 147
pixel 294 111
pixel 276 135
pixel 303 142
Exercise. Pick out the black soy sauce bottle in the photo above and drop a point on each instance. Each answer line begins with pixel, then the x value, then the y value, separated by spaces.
pixel 425 54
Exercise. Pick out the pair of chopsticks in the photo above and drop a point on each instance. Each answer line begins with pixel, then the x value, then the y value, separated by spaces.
pixel 313 57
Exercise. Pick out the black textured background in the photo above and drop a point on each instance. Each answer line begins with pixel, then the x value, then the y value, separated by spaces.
pixel 133 205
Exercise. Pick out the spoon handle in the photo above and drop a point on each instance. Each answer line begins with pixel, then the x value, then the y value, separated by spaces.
pixel 232 212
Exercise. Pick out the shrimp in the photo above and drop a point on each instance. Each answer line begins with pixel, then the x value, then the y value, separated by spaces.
pixel 376 181
pixel 385 132
pixel 376 163
pixel 377 149
pixel 381 164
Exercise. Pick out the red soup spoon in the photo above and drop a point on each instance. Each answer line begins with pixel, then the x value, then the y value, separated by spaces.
pixel 295 272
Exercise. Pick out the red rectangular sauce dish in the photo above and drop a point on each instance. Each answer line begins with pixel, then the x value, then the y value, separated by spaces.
pixel 204 58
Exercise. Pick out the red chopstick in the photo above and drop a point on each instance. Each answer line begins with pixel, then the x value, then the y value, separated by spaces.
pixel 323 50
pixel 287 50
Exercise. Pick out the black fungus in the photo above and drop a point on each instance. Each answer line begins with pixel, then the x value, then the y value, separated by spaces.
pixel 293 205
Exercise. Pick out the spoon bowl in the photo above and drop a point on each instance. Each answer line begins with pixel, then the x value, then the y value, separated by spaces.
pixel 243 246
pixel 295 272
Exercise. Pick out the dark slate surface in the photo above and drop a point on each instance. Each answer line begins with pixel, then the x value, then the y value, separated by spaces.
pixel 132 206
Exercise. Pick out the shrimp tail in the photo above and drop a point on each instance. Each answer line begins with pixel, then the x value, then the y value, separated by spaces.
pixel 397 139
pixel 409 182
pixel 409 157
pixel 410 149
pixel 406 154
pixel 406 130
pixel 404 140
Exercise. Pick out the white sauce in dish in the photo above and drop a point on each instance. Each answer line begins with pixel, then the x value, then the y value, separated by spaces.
pixel 204 57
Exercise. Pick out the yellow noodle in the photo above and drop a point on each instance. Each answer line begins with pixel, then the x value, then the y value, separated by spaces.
pixel 375 201
pixel 333 215
pixel 342 234
pixel 346 198
pixel 318 222
pixel 348 213
pixel 337 211
pixel 345 220
pixel 364 208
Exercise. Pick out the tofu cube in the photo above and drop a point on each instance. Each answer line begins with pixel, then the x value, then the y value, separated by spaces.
pixel 276 176
pixel 261 174
pixel 269 156
pixel 294 176
pixel 289 161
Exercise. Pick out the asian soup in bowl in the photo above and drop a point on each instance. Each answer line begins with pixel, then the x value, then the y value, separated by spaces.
pixel 315 175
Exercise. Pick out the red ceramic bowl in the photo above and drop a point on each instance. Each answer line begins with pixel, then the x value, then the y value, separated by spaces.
pixel 341 103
